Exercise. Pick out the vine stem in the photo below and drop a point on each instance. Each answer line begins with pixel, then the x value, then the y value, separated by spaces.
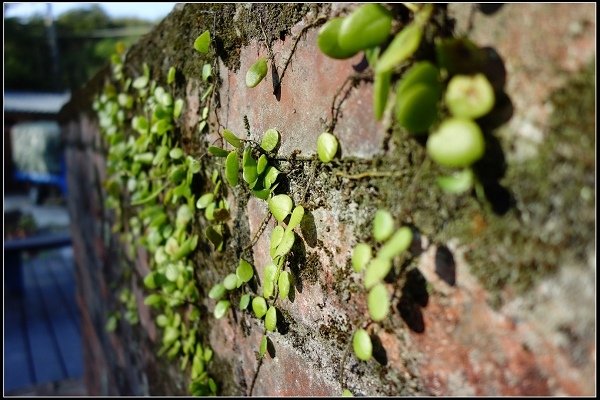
pixel 259 232
pixel 260 362
pixel 318 20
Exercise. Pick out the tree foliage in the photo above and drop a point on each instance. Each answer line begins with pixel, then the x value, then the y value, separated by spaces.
pixel 85 38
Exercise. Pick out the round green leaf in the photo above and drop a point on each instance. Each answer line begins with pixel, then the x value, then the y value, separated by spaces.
pixel 221 308
pixel 230 281
pixel 397 244
pixel 232 168
pixel 162 320
pixel 347 393
pixel 381 89
pixel 377 269
pixel 249 168
pixel 367 26
pixel 217 151
pixel 271 319
pixel 256 73
pixel 378 302
pixel 416 108
pixel 140 82
pixel 172 272
pixel 270 176
pixel 171 75
pixel 202 43
pixel 327 40
pixel 383 225
pixel 287 242
pixel 456 143
pixel 422 72
pixel 263 347
pixel 327 146
pixel 153 300
pixel 296 217
pixel 178 108
pixel 244 301
pixel 206 71
pixel 361 342
pixel 261 194
pixel 208 353
pixel 217 291
pixel 205 200
pixel 283 284
pixel 269 277
pixel 232 138
pixel 244 271
pixel 270 140
pixel 259 306
pixel 154 280
pixel 469 96
pixel 457 183
pixel 184 215
pixel 402 47
pixel 361 255
pixel 280 206
pixel 276 237
pixel 261 164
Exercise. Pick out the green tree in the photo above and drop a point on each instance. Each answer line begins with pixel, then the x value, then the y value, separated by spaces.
pixel 86 38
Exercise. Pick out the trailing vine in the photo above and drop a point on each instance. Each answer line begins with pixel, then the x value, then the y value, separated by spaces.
pixel 152 188
pixel 444 98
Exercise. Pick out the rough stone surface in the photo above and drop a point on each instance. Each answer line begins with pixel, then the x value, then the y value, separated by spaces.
pixel 453 330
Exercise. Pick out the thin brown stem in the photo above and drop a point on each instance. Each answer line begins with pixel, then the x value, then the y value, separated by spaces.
pixel 259 232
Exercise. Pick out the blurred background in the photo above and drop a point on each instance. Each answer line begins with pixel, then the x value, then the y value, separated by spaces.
pixel 50 49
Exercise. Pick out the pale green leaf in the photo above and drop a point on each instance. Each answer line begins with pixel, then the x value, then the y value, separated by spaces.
pixel 327 146
pixel 244 301
pixel 259 306
pixel 377 269
pixel 217 291
pixel 363 347
pixel 280 206
pixel 383 225
pixel 271 319
pixel 402 47
pixel 457 183
pixel 287 242
pixel 204 200
pixel 378 302
pixel 256 72
pixel 221 308
pixel 232 169
pixel 270 140
pixel 283 283
pixel 232 138
pixel 397 244
pixel 244 271
pixel 230 281
pixel 296 217
pixel 217 151
pixel 202 43
pixel 361 255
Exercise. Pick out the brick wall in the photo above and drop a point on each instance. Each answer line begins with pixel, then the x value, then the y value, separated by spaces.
pixel 498 331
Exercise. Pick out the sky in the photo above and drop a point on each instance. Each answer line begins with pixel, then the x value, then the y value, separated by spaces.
pixel 148 11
